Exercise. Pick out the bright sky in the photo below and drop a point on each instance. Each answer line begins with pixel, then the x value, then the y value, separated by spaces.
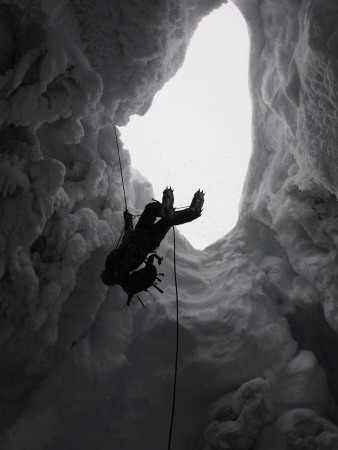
pixel 197 133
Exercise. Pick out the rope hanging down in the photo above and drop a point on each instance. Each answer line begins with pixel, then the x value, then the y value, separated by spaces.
pixel 177 323
pixel 118 152
pixel 177 343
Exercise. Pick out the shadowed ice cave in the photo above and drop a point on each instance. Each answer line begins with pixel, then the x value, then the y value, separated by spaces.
pixel 258 309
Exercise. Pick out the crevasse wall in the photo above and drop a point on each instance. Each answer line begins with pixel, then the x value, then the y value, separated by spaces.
pixel 258 309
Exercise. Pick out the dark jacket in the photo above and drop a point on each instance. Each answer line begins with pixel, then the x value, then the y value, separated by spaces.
pixel 123 260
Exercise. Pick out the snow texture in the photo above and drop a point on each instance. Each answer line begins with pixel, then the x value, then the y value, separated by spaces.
pixel 258 309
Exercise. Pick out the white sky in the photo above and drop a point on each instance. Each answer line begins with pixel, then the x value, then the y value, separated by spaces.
pixel 197 133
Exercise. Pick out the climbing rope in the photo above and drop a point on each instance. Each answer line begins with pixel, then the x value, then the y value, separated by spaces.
pixel 124 191
pixel 118 152
pixel 177 342
pixel 119 239
pixel 177 323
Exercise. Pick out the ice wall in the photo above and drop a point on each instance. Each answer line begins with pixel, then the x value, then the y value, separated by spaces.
pixel 258 310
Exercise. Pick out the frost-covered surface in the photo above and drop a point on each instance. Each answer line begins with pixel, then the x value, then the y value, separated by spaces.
pixel 258 309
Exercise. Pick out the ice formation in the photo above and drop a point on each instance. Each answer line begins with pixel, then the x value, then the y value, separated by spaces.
pixel 258 309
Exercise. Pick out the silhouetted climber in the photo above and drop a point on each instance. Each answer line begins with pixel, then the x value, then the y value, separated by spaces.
pixel 145 239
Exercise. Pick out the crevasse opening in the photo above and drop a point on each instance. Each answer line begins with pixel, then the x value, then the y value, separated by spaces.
pixel 197 133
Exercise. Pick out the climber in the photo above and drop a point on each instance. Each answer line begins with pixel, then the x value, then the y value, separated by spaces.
pixel 138 243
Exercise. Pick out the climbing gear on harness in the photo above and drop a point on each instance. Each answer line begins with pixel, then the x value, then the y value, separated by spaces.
pixel 143 279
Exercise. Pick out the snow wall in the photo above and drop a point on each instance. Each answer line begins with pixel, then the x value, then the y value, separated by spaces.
pixel 258 309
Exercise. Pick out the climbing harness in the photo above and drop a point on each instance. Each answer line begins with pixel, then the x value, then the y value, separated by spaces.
pixel 177 344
